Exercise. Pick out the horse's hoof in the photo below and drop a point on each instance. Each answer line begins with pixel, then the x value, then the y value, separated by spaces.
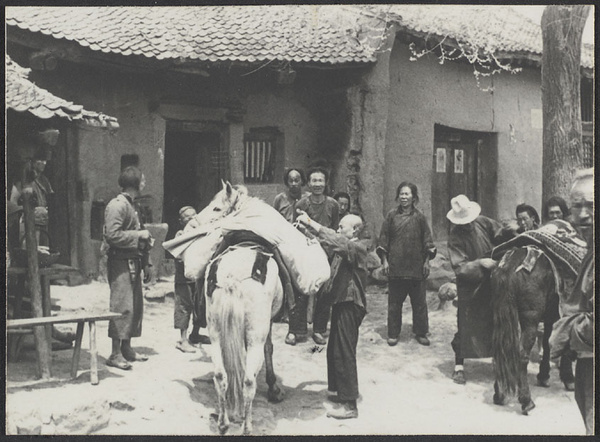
pixel 276 396
pixel 569 386
pixel 526 408
pixel 223 429
pixel 499 400
pixel 543 383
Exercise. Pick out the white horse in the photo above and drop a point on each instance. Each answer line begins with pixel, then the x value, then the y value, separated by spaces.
pixel 241 302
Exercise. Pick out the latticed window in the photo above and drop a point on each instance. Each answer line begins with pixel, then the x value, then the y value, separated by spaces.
pixel 587 100
pixel 588 152
pixel 260 149
pixel 587 133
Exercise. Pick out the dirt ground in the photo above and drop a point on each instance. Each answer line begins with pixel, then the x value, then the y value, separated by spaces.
pixel 405 389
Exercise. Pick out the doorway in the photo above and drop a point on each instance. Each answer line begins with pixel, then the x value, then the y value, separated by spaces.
pixel 463 163
pixel 193 170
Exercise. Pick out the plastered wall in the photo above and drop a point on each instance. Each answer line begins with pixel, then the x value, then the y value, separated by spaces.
pixel 424 93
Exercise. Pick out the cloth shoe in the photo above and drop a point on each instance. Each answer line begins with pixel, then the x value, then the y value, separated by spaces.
pixel 392 341
pixel 459 377
pixel 346 411
pixel 422 339
pixel 290 339
pixel 131 356
pixel 185 347
pixel 196 338
pixel 118 362
pixel 319 339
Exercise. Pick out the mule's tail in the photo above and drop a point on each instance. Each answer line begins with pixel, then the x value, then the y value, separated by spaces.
pixel 506 332
pixel 228 309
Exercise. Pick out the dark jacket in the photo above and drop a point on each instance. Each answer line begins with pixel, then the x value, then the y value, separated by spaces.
pixel 406 240
pixel 349 272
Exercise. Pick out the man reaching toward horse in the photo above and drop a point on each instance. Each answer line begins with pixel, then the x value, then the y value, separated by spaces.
pixel 346 291
pixel 472 236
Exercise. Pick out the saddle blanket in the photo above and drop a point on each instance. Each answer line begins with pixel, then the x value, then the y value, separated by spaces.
pixel 259 268
pixel 565 250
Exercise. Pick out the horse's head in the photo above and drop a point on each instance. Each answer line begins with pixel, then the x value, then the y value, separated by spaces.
pixel 225 202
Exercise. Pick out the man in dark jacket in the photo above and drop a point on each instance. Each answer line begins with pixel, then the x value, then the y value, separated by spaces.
pixel 346 293
pixel 127 249
pixel 472 236
pixel 324 210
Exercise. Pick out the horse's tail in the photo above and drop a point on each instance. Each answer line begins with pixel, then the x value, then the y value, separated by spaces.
pixel 230 317
pixel 506 332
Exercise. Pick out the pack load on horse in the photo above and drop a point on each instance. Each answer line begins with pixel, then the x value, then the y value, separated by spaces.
pixel 247 254
pixel 528 275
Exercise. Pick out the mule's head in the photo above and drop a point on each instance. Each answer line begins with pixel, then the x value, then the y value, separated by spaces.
pixel 225 202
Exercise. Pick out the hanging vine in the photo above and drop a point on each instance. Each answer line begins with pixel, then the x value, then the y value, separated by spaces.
pixel 484 61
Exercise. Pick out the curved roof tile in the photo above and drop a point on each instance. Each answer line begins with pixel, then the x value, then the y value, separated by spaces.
pixel 497 28
pixel 22 95
pixel 209 30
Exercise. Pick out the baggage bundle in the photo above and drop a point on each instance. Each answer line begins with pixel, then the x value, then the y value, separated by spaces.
pixel 304 258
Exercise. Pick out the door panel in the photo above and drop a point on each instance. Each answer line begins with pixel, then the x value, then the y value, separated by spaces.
pixel 440 191
pixel 191 173
pixel 454 173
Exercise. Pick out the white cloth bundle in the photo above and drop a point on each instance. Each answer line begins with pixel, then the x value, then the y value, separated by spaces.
pixel 197 255
pixel 305 259
pixel 195 248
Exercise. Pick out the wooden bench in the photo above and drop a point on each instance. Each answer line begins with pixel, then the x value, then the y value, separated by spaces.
pixel 19 326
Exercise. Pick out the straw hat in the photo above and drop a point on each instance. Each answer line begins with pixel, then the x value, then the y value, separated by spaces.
pixel 463 210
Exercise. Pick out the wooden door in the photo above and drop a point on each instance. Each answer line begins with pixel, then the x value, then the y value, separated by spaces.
pixel 192 173
pixel 454 173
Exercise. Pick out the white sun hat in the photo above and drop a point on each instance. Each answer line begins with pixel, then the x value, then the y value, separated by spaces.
pixel 463 210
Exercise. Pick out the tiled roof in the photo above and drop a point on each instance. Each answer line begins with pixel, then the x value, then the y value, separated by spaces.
pixel 300 33
pixel 22 95
pixel 494 28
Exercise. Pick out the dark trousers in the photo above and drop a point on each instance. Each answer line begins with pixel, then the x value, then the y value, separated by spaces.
pixel 342 375
pixel 399 289
pixel 458 360
pixel 184 304
pixel 297 316
pixel 322 312
pixel 584 391
pixel 199 311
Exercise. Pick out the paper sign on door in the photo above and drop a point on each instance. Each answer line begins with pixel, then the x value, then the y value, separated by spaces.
pixel 440 157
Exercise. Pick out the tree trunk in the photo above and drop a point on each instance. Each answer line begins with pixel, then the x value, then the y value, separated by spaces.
pixel 562 29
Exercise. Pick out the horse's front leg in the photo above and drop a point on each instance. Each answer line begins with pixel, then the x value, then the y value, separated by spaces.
pixel 528 336
pixel 543 377
pixel 275 394
pixel 499 396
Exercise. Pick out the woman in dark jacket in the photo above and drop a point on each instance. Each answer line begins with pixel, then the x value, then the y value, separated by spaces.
pixel 405 247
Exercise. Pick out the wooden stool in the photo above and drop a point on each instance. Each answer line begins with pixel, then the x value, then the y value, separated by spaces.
pixel 21 326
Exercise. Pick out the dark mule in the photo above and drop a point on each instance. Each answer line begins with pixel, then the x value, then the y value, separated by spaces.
pixel 520 301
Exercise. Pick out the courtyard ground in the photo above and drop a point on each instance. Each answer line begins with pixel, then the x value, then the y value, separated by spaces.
pixel 406 389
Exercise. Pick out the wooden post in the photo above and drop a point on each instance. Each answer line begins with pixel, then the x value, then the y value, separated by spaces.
pixel 77 350
pixel 42 344
pixel 93 354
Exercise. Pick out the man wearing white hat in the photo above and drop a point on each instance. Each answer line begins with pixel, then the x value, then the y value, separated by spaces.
pixel 471 237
